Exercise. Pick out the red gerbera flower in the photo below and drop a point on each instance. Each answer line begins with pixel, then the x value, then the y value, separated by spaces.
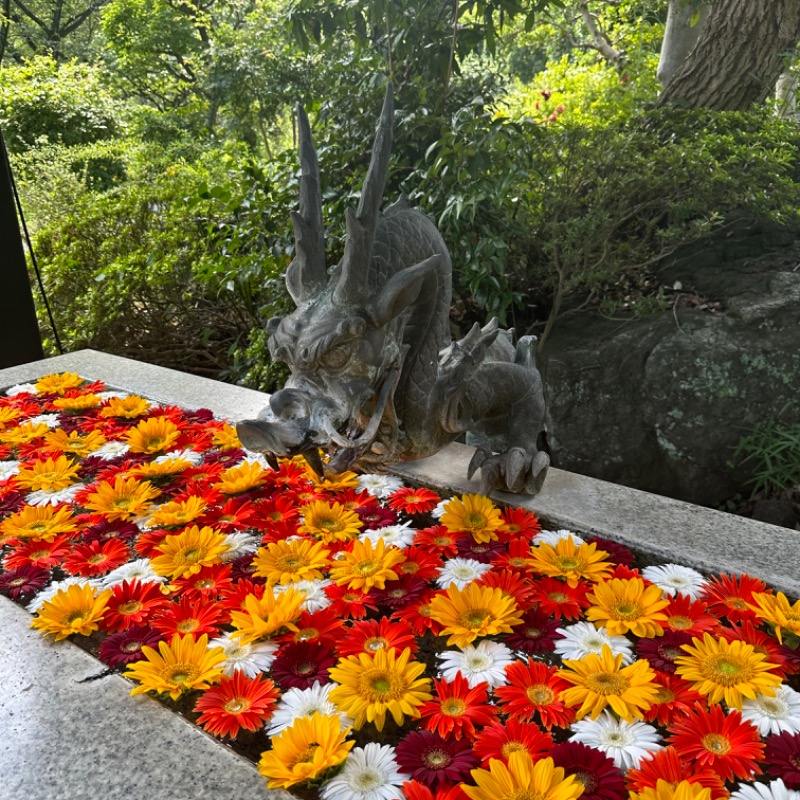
pixel 510 583
pixel 485 552
pixel 414 790
pixel 203 475
pixel 617 553
pixel 235 703
pixel 187 617
pixel 413 501
pixel 762 642
pixel 420 562
pixel 536 635
pixel 689 616
pixel 371 635
pixel 730 596
pixel 623 573
pixel 233 598
pixel 353 499
pixel 533 690
pixel 438 540
pixel 23 580
pixel 399 593
pixel 235 515
pixel 600 778
pixel 456 709
pixel 96 558
pixel 299 665
pixel 519 522
pixel 289 476
pixel 783 758
pixel 324 625
pixel 662 651
pixel 674 697
pixel 418 615
pixel 38 553
pixel 105 530
pixel 667 765
pixel 556 598
pixel 515 557
pixel 206 585
pixel 500 739
pixel 148 541
pixel 132 603
pixel 728 745
pixel 376 516
pixel 349 603
pixel 435 761
pixel 124 648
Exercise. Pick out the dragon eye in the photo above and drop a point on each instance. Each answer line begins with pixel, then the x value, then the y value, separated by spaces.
pixel 336 357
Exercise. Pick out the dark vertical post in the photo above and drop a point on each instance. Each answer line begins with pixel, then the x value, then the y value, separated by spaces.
pixel 20 340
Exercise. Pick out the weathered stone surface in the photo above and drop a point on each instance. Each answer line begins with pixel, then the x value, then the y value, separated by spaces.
pixel 659 403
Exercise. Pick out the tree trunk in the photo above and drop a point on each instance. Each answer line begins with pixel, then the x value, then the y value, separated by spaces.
pixel 685 23
pixel 739 55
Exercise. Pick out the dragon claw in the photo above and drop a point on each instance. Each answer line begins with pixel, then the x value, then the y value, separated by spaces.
pixel 516 470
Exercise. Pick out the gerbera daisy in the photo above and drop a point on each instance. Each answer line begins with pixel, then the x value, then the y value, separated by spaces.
pixel 437 539
pixel 23 580
pixel 38 553
pixel 675 579
pixel 456 708
pixel 242 478
pixel 514 556
pixel 582 639
pixel 132 603
pixel 400 535
pixel 370 773
pixel 599 776
pixel 522 778
pixel 726 744
pixel 732 595
pixel 237 514
pixel 180 666
pixel 74 443
pixel 348 603
pixel 520 522
pixel 372 685
pixel 238 545
pixel 379 485
pixel 96 558
pixel 208 584
pixel 122 499
pixel 570 561
pixel 128 407
pixel 105 531
pixel 782 757
pixel 626 743
pixel 400 593
pixel 235 703
pixel 501 739
pixel 153 435
pixel 304 751
pixel 460 572
pixel 778 714
pixel 473 612
pixel 287 562
pixel 474 514
pixel 762 642
pixel 375 516
pixel 74 403
pixel 265 616
pixel 247 658
pixel 186 553
pixel 664 790
pixel 177 513
pixel 235 597
pixel 675 696
pixel 554 537
pixel 123 648
pixel 372 635
pixel 296 703
pixel 774 790
pixel 22 434
pixel 299 665
pixel 485 552
pixel 535 635
pixel 667 765
pixel 617 553
pixel 329 522
pixel 728 671
pixel 365 566
pixel 413 501
pixel 534 690
pixel 139 569
pixel 48 473
pixel 58 382
pixel 436 761
pixel 662 651
pixel 556 598
pixel 188 616
pixel 691 616
pixel 628 605
pixel 37 522
pixel 486 661
pixel 777 610
pixel 324 625
pixel 314 593
pixel 76 609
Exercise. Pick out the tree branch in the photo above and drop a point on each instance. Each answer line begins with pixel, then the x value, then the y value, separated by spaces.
pixel 600 40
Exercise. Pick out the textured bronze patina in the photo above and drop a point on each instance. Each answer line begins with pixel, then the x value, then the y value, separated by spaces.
pixel 375 377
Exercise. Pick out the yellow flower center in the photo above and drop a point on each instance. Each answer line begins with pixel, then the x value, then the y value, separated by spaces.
pixel 131 607
pixel 367 567
pixel 512 747
pixel 381 686
pixel 121 502
pixel 473 618
pixel 179 673
pixel 737 603
pixel 665 695
pixel 75 618
pixel 717 744
pixel 328 524
pixel 441 541
pixel 236 705
pixel 307 756
pixel 626 609
pixel 453 707
pixel 569 563
pixel 557 597
pixel 726 670
pixel 376 643
pixel 540 694
pixel 188 625
pixel 290 563
pixel 475 520
pixel 517 562
pixel 191 555
pixel 436 758
pixel 204 583
pixel 681 623
pixel 605 683
pixel 97 558
pixel 306 634
pixel 131 647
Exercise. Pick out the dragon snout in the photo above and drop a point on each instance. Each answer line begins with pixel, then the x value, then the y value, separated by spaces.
pixel 290 404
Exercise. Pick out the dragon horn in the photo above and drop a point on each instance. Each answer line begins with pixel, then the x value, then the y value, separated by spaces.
pixel 306 275
pixel 351 285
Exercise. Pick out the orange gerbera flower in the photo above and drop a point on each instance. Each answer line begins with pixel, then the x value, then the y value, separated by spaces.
pixel 235 703
pixel 534 690
pixel 37 522
pixel 628 605
pixel 47 473
pixel 123 499
pixel 692 617
pixel 473 514
pixel 572 562
pixel 456 709
pixel 666 764
pixel 153 435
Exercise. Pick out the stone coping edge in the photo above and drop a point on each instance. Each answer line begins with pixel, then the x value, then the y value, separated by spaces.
pixel 664 528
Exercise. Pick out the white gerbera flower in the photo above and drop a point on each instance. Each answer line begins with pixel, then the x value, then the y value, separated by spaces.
pixel 111 450
pixel 486 661
pixel 461 572
pixel 380 486
pixel 439 508
pixel 139 570
pixel 775 790
pixel 53 589
pixel 370 773
pixel 248 658
pixel 554 537
pixel 774 714
pixel 296 703
pixel 111 395
pixel 51 420
pixel 401 535
pixel 316 597
pixel 22 388
pixel 239 543
pixel 627 743
pixel 8 468
pixel 674 579
pixel 582 638
pixel 43 497
pixel 186 454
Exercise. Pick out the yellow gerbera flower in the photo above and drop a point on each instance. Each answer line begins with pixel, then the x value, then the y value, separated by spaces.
pixel 152 435
pixel 521 779
pixel 128 407
pixel 473 514
pixel 473 611
pixel 627 605
pixel 226 438
pixel 265 616
pixel 78 403
pixel 365 565
pixel 123 499
pixel 329 523
pixel 186 553
pixel 370 684
pixel 336 483
pixel 58 382
pixel 601 681
pixel 242 478
pixel 73 442
pixel 180 666
pixel 777 610
pixel 570 561
pixel 304 750
pixel 178 512
pixel 37 522
pixel 156 470
pixel 75 609
pixel 288 562
pixel 665 790
pixel 22 434
pixel 8 415
pixel 727 671
pixel 52 474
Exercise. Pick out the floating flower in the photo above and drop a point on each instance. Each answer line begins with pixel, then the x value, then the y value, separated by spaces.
pixel 372 635
pixel 556 598
pixel 520 522
pixel 460 572
pixel 74 443
pixel 624 606
pixel 662 651
pixel 96 558
pixel 329 522
pixel 177 512
pixel 456 708
pixel 777 610
pixel 413 501
pixel 371 686
pixel 535 635
pixel 364 566
pixel 626 743
pixel 379 485
pixel 297 703
pixel 249 659
pixel 236 702
pixel 691 616
pixel 48 473
pixel 304 751
pixel 188 616
pixel 180 666
pixel 128 407
pixel 782 756
pixel 596 772
pixel 186 553
pixel 153 435
pixel 486 661
pixel 22 434
pixel 131 603
pixel 242 478
pixel 267 615
pixel 58 383
pixel 778 714
pixel 664 790
pixel 675 696
pixel 774 790
pixel 123 499
pixel 582 639
pixel 728 671
pixel 474 514
pixel 299 665
pixel 534 690
pixel 370 773
pixel 436 761
pixel 23 580
pixel 571 561
pixel 125 647
pixel 37 522
pixel 732 596
pixel 667 765
pixel 73 403
pixel 501 739
pixel 76 609
pixel 675 579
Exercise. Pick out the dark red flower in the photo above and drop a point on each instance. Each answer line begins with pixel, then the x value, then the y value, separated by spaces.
pixel 299 665
pixel 124 648
pixel 617 553
pixel 399 593
pixel 105 530
pixel 23 580
pixel 536 634
pixel 485 552
pixel 782 756
pixel 662 651
pixel 435 761
pixel 601 780
pixel 376 517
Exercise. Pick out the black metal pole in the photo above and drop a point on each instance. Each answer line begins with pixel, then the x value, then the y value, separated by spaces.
pixel 20 340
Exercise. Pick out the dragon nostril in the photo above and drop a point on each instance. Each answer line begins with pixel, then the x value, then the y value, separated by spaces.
pixel 288 403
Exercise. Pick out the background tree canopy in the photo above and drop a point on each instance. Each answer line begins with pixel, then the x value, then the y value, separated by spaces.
pixel 154 145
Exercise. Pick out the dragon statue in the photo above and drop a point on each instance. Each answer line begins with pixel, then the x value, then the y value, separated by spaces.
pixel 375 377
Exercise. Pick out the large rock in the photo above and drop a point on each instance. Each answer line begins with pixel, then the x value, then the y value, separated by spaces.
pixel 660 402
